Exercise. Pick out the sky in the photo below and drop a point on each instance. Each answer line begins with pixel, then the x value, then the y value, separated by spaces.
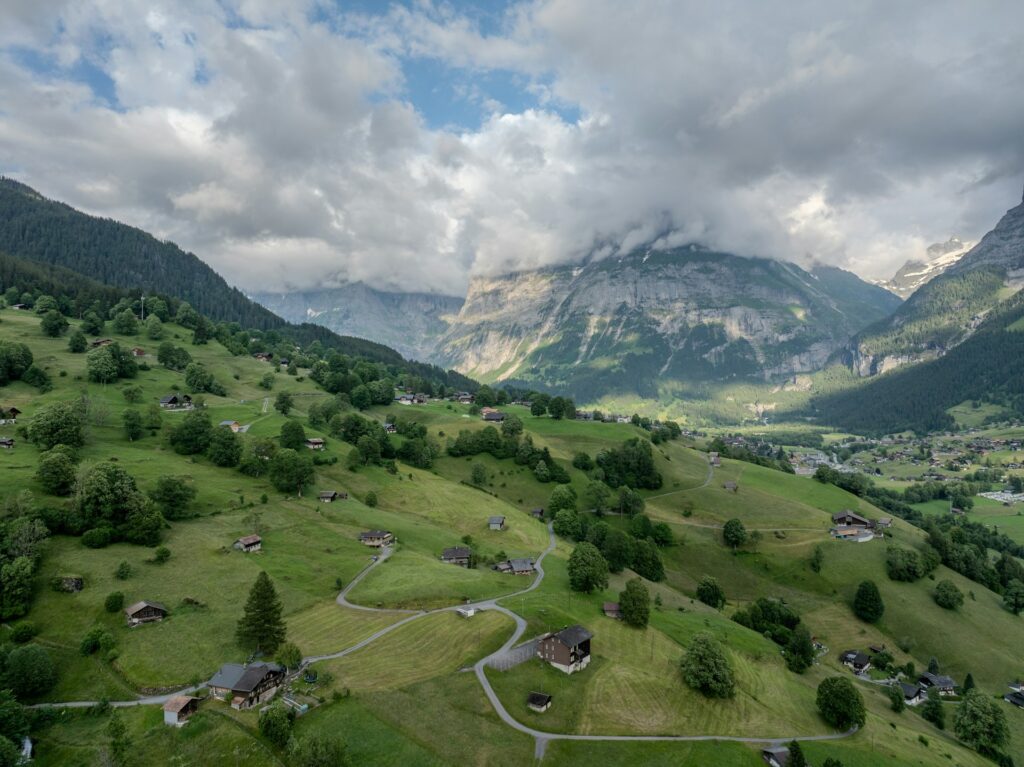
pixel 294 144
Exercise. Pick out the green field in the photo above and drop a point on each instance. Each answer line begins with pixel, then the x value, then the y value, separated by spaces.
pixel 409 702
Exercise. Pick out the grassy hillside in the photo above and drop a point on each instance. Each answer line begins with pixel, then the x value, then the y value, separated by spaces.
pixel 408 702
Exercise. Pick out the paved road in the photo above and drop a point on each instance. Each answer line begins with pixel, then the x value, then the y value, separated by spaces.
pixel 541 738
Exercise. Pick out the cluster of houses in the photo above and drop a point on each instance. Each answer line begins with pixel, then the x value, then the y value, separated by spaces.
pixel 851 526
pixel 913 692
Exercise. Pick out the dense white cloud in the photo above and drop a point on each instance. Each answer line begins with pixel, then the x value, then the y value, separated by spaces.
pixel 282 141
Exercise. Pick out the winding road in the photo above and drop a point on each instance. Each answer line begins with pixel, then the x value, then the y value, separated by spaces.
pixel 541 737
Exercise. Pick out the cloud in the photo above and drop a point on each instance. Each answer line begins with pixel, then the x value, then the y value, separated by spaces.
pixel 286 143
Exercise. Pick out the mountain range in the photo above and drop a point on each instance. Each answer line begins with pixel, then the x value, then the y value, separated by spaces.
pixel 916 272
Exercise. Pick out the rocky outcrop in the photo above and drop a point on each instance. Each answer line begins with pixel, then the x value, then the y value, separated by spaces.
pixel 917 272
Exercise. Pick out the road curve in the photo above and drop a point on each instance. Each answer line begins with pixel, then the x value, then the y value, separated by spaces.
pixel 541 737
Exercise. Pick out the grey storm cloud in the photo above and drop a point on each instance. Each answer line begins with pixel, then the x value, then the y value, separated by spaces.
pixel 287 150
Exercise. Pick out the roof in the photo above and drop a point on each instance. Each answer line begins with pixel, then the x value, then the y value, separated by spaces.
pixel 178 702
pixel 910 690
pixel 374 534
pixel 847 513
pixel 132 609
pixel 937 680
pixel 227 423
pixel 248 540
pixel 495 520
pixel 572 636
pixel 328 493
pixel 611 607
pixel 456 552
pixel 314 440
pixel 239 678
pixel 1015 698
pixel 779 753
pixel 538 699
pixel 521 564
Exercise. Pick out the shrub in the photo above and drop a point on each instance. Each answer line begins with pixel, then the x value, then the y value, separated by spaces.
pixel 97 538
pixel 114 602
pixel 123 571
pixel 23 632
pixel 30 671
pixel 161 555
pixel 97 638
pixel 710 592
pixel 370 499
pixel 947 595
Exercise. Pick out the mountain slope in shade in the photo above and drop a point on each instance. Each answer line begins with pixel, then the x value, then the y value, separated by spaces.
pixel 916 272
pixel 412 323
pixel 948 309
pixel 38 229
pixel 635 324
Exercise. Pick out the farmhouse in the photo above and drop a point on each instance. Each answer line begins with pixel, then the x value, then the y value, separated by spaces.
pixel 376 538
pixel 235 426
pixel 456 555
pixel 496 523
pixel 249 543
pixel 101 342
pixel 6 443
pixel 850 519
pixel 714 459
pixel 9 415
pixel 138 351
pixel 777 756
pixel 145 612
pixel 731 486
pixel 315 443
pixel 612 610
pixel 176 401
pixel 855 534
pixel 567 650
pixel 247 686
pixel 912 693
pixel 465 612
pixel 490 415
pixel 515 566
pixel 19 307
pixel 537 513
pixel 178 710
pixel 538 701
pixel 330 496
pixel 1016 698
pixel 857 660
pixel 262 356
pixel 945 685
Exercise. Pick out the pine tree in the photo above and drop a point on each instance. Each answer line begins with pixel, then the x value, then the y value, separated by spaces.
pixel 261 626
pixel 796 755
pixel 867 604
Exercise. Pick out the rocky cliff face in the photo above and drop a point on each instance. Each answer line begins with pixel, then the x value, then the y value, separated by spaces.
pixel 634 323
pixel 946 311
pixel 408 322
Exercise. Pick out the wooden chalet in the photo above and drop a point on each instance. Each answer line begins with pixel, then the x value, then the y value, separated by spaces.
pixel 538 701
pixel 457 555
pixel 235 426
pixel 9 415
pixel 249 543
pixel 537 513
pixel 145 612
pixel 856 660
pixel 850 519
pixel 6 443
pixel 1015 698
pixel 567 650
pixel 247 686
pixel 913 694
pixel 522 566
pixel 496 523
pixel 612 610
pixel 175 401
pixel 315 443
pixel 731 486
pixel 330 496
pixel 714 459
pixel 101 342
pixel 262 356
pixel 179 709
pixel 376 538
pixel 138 351
pixel 19 307
pixel 945 685
pixel 491 415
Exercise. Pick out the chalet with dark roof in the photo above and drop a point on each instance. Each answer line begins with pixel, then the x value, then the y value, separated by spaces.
pixel 538 701
pixel 612 610
pixel 145 612
pixel 850 519
pixel 913 694
pixel 175 401
pixel 522 566
pixel 376 538
pixel 247 686
pixel 6 443
pixel 567 650
pixel 330 496
pixel 496 523
pixel 776 756
pixel 315 443
pixel 856 660
pixel 944 684
pixel 457 555
pixel 179 709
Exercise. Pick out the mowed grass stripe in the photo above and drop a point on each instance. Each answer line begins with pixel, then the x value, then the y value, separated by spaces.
pixel 432 646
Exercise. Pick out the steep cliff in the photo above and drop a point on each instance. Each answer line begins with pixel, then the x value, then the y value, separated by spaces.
pixel 916 272
pixel 637 323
